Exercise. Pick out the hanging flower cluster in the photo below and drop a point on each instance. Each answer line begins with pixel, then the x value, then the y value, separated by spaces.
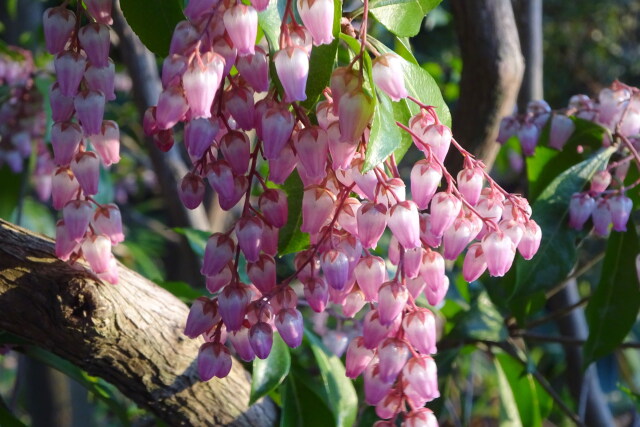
pixel 617 109
pixel 85 82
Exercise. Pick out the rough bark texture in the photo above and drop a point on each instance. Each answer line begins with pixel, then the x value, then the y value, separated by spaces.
pixel 491 74
pixel 129 334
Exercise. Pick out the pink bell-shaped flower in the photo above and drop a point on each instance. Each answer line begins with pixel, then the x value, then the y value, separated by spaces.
pixel 392 355
pixel 197 8
pixel 203 315
pixel 581 207
pixel 530 241
pixel 392 298
pixel 388 75
pixel 374 332
pixel 281 167
pixel 370 273
pixel 218 252
pixel 58 24
pixel 600 181
pixel 458 236
pixel 94 39
pixel 241 344
pixel 64 187
pixel 422 417
pixel 404 222
pixel 237 192
pixel 292 66
pixel 90 111
pixel 107 142
pixel 61 106
pixel 421 374
pixel 249 234
pixel 238 100
pixel 335 266
pixel 436 139
pixel 342 152
pixel 347 218
pixel 241 23
pixel 97 252
pixel 107 220
pixel 432 270
pixel 288 322
pixel 528 134
pixel 343 80
pixel 64 244
pixel 274 207
pixel 232 305
pixel 372 220
pixel 86 168
pixel 499 252
pixel 512 228
pixel 311 145
pixel 236 149
pixel 77 215
pixel 355 111
pixel 220 178
pixel 425 179
pixel 70 68
pixel 221 279
pixel 191 190
pixel 262 273
pixel 102 79
pixel 561 129
pixel 255 69
pixel 277 125
pixel 412 262
pixel 470 182
pixel 100 10
pixel 620 207
pixel 199 135
pixel 173 67
pixel 436 295
pixel 65 140
pixel 214 360
pixel 317 206
pixel 184 37
pixel 316 292
pixel 358 357
pixel 375 389
pixel 172 106
pixel 474 264
pixel 444 210
pixel 508 127
pixel 261 339
pixel 389 406
pixel 201 82
pixel 420 329
pixel 317 17
pixel 602 217
pixel 353 303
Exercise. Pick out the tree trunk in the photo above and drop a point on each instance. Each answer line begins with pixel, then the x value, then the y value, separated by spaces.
pixel 129 334
pixel 529 19
pixel 491 74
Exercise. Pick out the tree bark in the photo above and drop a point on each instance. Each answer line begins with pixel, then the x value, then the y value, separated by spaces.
pixel 491 74
pixel 529 20
pixel 129 334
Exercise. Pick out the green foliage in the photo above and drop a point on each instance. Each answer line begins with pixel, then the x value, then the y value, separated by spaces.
pixel 385 135
pixel 269 373
pixel 7 418
pixel 10 192
pixel 291 239
pixel 482 321
pixel 301 405
pixel 154 25
pixel 558 252
pixel 613 307
pixel 402 17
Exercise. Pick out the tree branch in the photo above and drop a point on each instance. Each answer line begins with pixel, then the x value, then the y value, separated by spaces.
pixel 129 334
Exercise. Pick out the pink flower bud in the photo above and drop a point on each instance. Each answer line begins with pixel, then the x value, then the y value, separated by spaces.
pixel 292 66
pixel 69 67
pixel 173 67
pixel 528 135
pixel 214 360
pixel 355 110
pixel 232 305
pixel 94 39
pixel 580 208
pixel 281 166
pixel 600 181
pixel 262 273
pixel 470 182
pixel 64 187
pixel 77 215
pixel 255 69
pixel 90 111
pixel 197 8
pixel 289 324
pixel 100 10
pixel 242 345
pixel 561 129
pixel 353 303
pixel 261 339
pixel 432 270
pixel 404 222
pixel 425 179
pixel 65 140
pixel 241 23
pixel 221 279
pixel 249 234
pixel 458 236
pixel 191 190
pixel 342 152
pixel 389 406
pixel 238 100
pixel 392 298
pixel 436 139
pixel 358 357
pixel 420 329
pixel 372 221
pixel 388 75
pixel 421 374
pixel 373 331
pixel 311 145
pixel 274 207
pixel 172 106
pixel 499 252
pixel 219 251
pixel 444 210
pixel 602 217
pixel 347 217
pixel 86 168
pixel 97 252
pixel 343 80
pixel 102 80
pixel 58 24
pixel 317 17
pixel 276 124
pixel 426 235
pixel 108 221
pixel 236 149
pixel 530 241
pixel 200 83
pixel 412 262
pixel 220 177
pixel 435 296
pixel 508 127
pixel 474 263
pixel 620 207
pixel 65 245
pixel 366 182
pixel 184 36
pixel 335 266
pixel 375 389
pixel 107 142
pixel 392 355
pixel 316 292
pixel 199 135
pixel 415 286
pixel 317 206
pixel 237 192
pixel 61 106
pixel 203 316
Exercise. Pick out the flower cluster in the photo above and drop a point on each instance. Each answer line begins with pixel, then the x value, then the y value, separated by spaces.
pixel 22 120
pixel 617 109
pixel 85 82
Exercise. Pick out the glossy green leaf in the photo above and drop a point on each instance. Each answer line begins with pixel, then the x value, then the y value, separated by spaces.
pixel 385 136
pixel 270 372
pixel 153 24
pixel 300 405
pixel 533 402
pixel 613 307
pixel 481 322
pixel 291 239
pixel 340 391
pixel 509 415
pixel 547 163
pixel 270 20
pixel 557 254
pixel 402 17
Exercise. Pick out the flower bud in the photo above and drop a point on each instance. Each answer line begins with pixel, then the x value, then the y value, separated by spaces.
pixel 372 221
pixel 172 106
pixel 317 17
pixel 107 220
pixel 102 79
pixel 392 355
pixel 373 331
pixel 238 100
pixel 470 182
pixel 388 75
pixel 261 339
pixel 276 124
pixel 94 39
pixel 249 233
pixel 61 106
pixel 335 266
pixel 528 135
pixel 77 215
pixel 292 66
pixel 232 305
pixel 444 210
pixel 236 149
pixel 86 168
pixel 600 181
pixel 620 207
pixel 289 324
pixel 69 67
pixel 64 244
pixel 184 37
pixel 420 329
pixel 602 217
pixel 317 207
pixel 191 190
pixel 201 82
pixel 316 291
pixel 358 357
pixel 392 298
pixel 474 263
pixel 255 69
pixel 241 23
pixel 214 360
pixel 581 207
pixel 64 187
pixel 100 10
pixel 58 24
pixel 404 222
pixel 499 252
pixel 425 179
pixel 561 129
pixel 218 252
pixel 65 140
pixel 90 111
pixel 97 252
pixel 203 316
pixel 354 113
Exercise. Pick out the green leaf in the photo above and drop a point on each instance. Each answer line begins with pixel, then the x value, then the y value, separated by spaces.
pixel 7 418
pixel 481 322
pixel 402 17
pixel 197 239
pixel 10 192
pixel 154 24
pixel 270 372
pixel 300 405
pixel 37 217
pixel 385 136
pixel 291 239
pixel 270 20
pixel 509 415
pixel 547 163
pixel 340 391
pixel 533 402
pixel 613 307
pixel 557 254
